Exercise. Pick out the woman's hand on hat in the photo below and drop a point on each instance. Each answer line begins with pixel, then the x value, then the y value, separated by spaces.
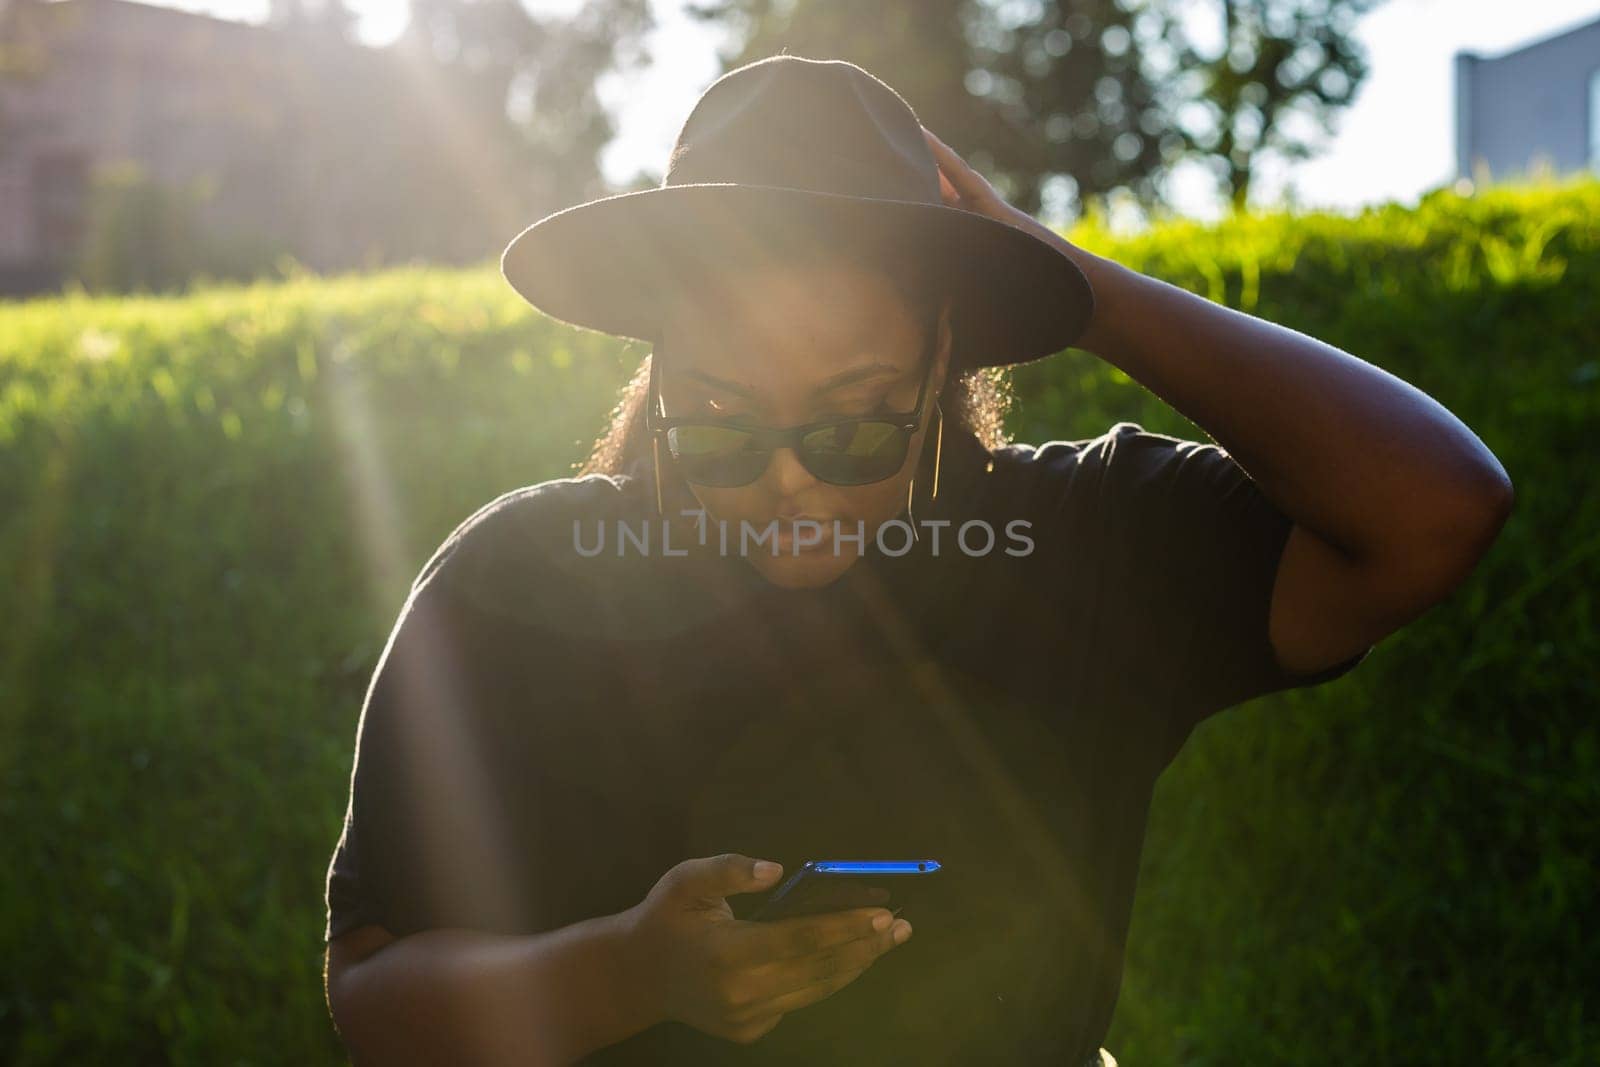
pixel 965 188
pixel 960 185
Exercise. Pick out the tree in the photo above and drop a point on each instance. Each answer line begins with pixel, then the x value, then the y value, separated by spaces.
pixel 1064 100
pixel 24 51
pixel 1071 85
pixel 1272 86
pixel 1046 97
pixel 318 16
pixel 535 78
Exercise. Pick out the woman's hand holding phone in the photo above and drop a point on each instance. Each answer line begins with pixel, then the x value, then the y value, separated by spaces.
pixel 737 979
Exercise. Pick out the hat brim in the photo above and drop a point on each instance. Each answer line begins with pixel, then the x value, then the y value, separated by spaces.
pixel 610 264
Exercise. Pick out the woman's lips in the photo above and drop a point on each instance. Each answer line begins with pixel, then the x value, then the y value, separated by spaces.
pixel 821 530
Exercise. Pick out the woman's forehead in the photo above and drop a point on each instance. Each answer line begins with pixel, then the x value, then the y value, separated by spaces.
pixel 801 356
pixel 794 312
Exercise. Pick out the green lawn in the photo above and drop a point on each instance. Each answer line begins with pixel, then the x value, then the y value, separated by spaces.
pixel 211 507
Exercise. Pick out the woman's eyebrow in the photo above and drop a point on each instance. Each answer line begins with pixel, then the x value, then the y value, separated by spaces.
pixel 865 372
pixel 847 377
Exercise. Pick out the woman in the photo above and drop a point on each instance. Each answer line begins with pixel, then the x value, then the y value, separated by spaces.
pixel 613 701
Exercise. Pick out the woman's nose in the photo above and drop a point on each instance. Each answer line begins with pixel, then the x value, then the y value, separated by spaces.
pixel 787 473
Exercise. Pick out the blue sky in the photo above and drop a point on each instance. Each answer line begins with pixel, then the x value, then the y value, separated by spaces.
pixel 1393 144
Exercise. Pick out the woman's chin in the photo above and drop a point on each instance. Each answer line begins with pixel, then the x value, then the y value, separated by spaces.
pixel 806 570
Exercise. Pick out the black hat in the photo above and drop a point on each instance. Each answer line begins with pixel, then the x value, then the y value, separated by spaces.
pixel 790 149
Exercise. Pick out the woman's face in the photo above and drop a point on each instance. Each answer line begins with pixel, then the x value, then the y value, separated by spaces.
pixel 785 344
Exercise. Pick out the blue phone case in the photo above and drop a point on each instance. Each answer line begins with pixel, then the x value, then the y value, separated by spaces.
pixel 804 891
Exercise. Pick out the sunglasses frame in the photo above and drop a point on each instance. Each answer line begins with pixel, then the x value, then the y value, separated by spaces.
pixel 768 439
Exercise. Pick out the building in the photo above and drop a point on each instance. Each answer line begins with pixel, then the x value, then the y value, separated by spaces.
pixel 1534 107
pixel 104 82
pixel 339 155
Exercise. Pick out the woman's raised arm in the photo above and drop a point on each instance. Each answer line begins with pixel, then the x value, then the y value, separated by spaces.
pixel 1394 499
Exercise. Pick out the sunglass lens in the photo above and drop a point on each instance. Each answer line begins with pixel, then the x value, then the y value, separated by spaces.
pixel 856 453
pixel 716 456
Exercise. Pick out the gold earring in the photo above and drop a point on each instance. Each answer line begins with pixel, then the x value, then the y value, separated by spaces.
pixel 655 448
pixel 938 453
pixel 911 489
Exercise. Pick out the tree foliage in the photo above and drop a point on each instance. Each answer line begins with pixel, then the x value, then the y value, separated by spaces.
pixel 1064 101
pixel 440 147
pixel 535 76
pixel 1046 98
pixel 319 16
pixel 1282 73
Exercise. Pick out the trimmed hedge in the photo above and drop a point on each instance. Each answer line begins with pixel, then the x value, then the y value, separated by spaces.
pixel 214 505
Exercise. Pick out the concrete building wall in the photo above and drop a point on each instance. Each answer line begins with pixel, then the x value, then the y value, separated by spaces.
pixel 1530 105
pixel 339 155
pixel 175 94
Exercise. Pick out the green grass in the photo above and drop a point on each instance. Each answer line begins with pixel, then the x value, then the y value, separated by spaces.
pixel 1393 868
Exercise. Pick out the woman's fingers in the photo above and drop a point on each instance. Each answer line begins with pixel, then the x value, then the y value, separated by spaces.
pixel 974 193
pixel 840 959
pixel 805 935
pixel 747 1030
pixel 798 972
pixel 942 156
pixel 968 186
pixel 947 192
pixel 797 982
pixel 807 995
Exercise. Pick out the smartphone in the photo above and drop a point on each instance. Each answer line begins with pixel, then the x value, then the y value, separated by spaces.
pixel 838 885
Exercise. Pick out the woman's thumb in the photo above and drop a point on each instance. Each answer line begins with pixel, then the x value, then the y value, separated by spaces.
pixel 727 874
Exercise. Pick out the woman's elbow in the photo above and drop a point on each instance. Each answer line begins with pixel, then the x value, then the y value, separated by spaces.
pixel 347 957
pixel 1484 513
pixel 1457 538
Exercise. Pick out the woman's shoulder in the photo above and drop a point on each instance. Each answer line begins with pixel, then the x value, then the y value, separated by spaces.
pixel 1125 452
pixel 1071 465
pixel 515 554
pixel 1058 454
pixel 1126 469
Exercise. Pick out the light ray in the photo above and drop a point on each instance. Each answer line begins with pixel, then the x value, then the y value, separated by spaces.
pixel 426 696
pixel 951 714
pixel 30 599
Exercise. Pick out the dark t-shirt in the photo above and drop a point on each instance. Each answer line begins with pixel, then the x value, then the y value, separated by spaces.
pixel 548 731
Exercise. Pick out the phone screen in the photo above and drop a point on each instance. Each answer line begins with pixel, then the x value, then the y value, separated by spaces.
pixel 838 885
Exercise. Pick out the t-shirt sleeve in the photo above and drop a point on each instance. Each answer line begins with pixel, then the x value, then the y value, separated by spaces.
pixel 441 826
pixel 1192 546
pixel 429 832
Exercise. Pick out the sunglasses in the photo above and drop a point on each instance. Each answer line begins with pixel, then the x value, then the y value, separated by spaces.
pixel 729 453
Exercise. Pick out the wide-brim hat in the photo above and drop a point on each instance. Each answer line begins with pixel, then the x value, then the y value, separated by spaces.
pixel 789 149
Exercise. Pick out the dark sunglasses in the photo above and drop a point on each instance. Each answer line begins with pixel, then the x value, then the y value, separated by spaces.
pixel 728 453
